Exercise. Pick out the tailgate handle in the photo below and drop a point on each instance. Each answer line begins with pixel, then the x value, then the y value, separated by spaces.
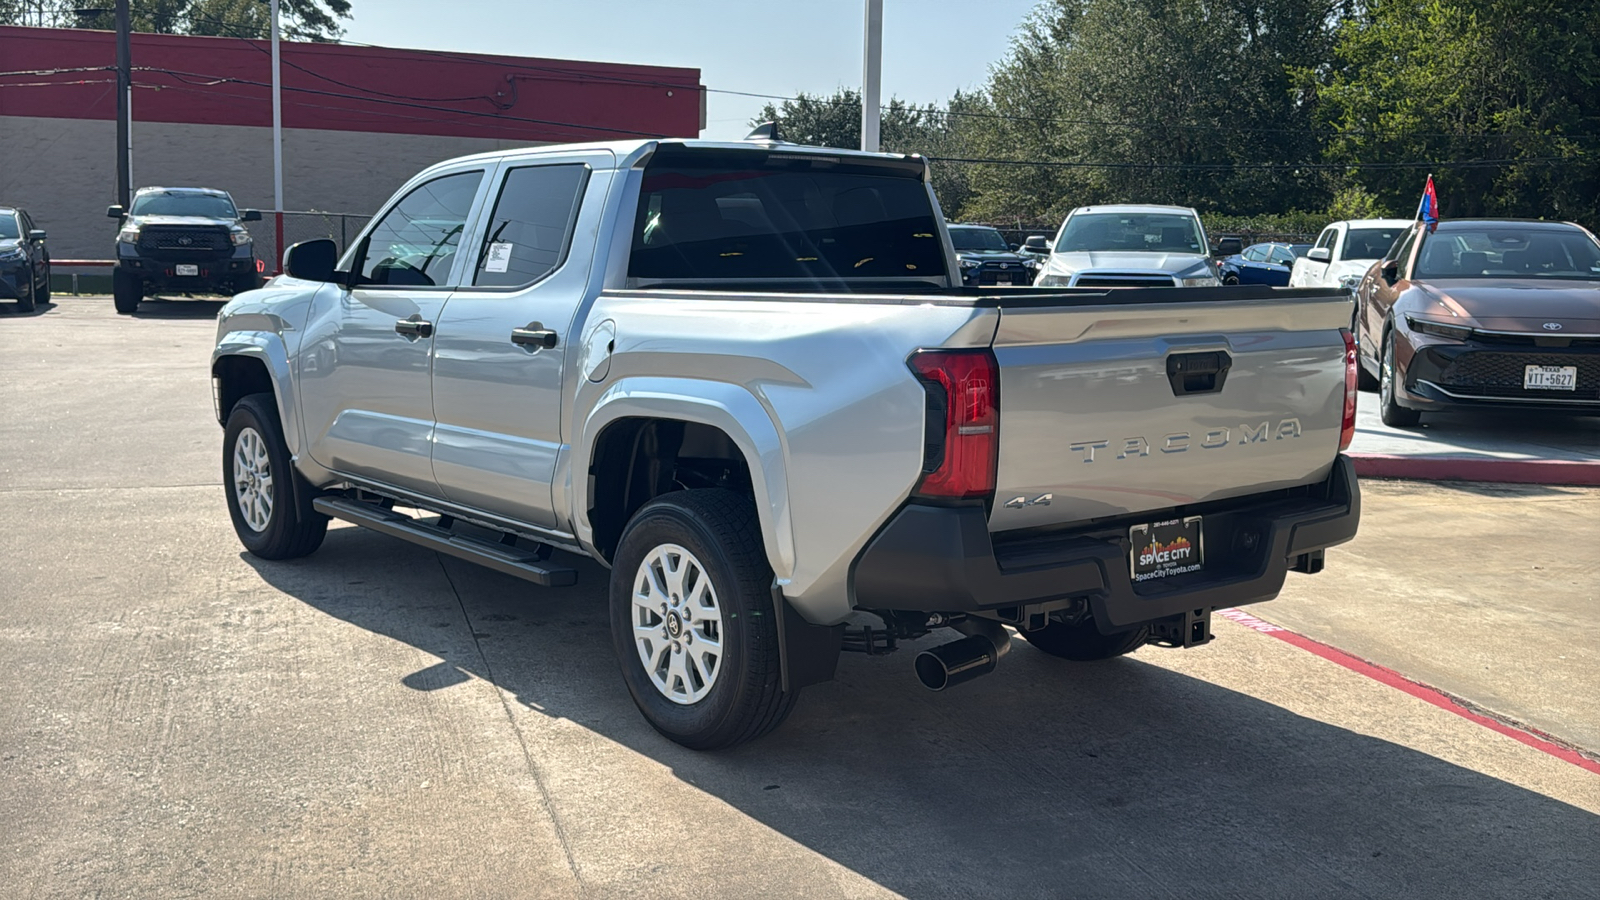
pixel 1198 373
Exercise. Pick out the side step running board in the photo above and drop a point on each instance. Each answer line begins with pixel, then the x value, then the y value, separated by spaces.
pixel 523 564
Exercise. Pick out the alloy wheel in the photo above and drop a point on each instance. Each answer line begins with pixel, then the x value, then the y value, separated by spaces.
pixel 677 624
pixel 252 479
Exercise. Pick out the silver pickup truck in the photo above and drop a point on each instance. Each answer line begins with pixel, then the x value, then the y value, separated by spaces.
pixel 746 378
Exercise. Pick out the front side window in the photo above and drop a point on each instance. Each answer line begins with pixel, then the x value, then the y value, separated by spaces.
pixel 1282 256
pixel 1131 233
pixel 1255 254
pixel 415 242
pixel 531 226
pixel 8 226
pixel 802 218
pixel 183 203
pixel 1403 252
pixel 1325 240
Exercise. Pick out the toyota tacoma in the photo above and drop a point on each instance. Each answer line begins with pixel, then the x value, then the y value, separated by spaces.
pixel 746 378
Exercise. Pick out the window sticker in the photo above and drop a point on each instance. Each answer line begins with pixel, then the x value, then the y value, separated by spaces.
pixel 499 257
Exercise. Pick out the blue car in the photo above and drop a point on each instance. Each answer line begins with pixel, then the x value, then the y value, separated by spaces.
pixel 1261 264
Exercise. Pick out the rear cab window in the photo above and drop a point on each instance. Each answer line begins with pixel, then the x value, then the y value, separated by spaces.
pixel 793 220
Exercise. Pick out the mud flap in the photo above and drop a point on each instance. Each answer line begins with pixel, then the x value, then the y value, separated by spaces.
pixel 808 654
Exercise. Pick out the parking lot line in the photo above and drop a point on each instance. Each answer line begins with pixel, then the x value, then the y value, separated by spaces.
pixel 1426 693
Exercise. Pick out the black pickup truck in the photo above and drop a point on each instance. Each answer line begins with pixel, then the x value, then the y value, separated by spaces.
pixel 182 240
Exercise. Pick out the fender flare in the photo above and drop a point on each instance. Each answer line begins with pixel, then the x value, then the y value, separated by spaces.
pixel 728 407
pixel 269 349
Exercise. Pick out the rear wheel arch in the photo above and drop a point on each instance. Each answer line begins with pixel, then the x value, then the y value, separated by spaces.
pixel 635 459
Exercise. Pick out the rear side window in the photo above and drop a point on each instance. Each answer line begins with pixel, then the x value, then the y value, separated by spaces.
pixel 791 217
pixel 532 224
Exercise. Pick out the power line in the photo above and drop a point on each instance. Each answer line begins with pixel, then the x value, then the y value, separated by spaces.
pixel 1222 167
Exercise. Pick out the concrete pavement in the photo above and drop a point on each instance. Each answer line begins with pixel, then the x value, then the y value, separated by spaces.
pixel 184 720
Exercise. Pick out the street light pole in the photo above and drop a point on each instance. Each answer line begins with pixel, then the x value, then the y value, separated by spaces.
pixel 277 143
pixel 124 106
pixel 872 77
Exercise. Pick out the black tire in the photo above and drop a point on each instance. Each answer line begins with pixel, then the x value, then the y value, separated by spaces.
pixel 26 295
pixel 1083 642
pixel 287 532
pixel 1393 414
pixel 744 699
pixel 126 291
pixel 249 282
pixel 1230 279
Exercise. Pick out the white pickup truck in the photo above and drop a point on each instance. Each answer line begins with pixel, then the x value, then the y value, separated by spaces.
pixel 747 379
pixel 1344 251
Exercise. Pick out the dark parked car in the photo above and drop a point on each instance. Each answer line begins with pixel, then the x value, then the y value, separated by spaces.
pixel 986 259
pixel 1268 263
pixel 24 261
pixel 182 240
pixel 1485 313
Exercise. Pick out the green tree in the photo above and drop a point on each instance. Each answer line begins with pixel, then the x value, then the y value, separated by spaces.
pixel 835 121
pixel 309 20
pixel 1479 81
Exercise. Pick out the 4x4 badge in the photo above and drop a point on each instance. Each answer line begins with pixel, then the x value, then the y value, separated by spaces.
pixel 1020 502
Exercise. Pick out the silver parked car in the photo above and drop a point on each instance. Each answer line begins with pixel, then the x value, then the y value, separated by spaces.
pixel 1130 246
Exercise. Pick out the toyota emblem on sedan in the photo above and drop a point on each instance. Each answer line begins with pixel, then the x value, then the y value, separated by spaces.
pixel 1552 326
pixel 186 241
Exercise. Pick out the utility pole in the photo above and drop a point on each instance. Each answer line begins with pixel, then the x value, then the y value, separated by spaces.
pixel 277 143
pixel 124 106
pixel 872 77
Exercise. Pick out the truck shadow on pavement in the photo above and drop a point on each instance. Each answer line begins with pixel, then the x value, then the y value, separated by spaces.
pixel 184 308
pixel 1045 779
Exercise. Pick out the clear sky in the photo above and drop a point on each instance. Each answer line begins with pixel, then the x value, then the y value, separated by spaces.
pixel 931 48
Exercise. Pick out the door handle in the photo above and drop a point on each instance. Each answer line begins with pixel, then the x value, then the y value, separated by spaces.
pixel 414 327
pixel 534 335
pixel 1198 373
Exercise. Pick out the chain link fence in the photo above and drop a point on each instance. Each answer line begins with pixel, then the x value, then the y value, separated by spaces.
pixel 302 225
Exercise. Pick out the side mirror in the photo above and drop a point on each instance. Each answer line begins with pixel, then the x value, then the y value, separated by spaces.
pixel 1036 244
pixel 251 215
pixel 1229 246
pixel 1390 271
pixel 36 235
pixel 1015 247
pixel 312 260
pixel 114 212
pixel 1319 254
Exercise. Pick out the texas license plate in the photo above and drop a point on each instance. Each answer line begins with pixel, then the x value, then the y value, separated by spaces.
pixel 1002 279
pixel 1550 378
pixel 187 270
pixel 1164 549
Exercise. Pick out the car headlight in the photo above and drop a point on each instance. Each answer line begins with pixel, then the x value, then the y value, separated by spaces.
pixel 240 237
pixel 12 254
pixel 1350 283
pixel 128 235
pixel 1207 280
pixel 970 264
pixel 1439 329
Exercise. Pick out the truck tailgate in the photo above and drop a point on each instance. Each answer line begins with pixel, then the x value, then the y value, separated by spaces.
pixel 1112 409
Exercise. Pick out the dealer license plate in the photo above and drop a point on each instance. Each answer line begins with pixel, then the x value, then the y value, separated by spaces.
pixel 1164 549
pixel 187 270
pixel 1002 279
pixel 1550 378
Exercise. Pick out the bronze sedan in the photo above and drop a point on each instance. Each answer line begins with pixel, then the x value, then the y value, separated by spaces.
pixel 1484 313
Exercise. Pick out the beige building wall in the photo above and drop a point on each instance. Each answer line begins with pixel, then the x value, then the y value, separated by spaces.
pixel 63 171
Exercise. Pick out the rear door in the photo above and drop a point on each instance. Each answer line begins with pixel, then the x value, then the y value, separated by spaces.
pixel 502 347
pixel 1121 406
pixel 365 362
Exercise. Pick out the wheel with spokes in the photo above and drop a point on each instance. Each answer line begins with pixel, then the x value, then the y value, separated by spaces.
pixel 272 518
pixel 693 623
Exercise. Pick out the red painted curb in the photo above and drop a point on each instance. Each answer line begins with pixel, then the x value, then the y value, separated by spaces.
pixel 1417 689
pixel 1474 468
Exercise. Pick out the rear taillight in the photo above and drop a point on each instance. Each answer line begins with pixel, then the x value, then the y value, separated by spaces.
pixel 1347 431
pixel 963 426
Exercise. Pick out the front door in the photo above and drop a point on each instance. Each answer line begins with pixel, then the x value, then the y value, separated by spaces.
pixel 504 342
pixel 365 395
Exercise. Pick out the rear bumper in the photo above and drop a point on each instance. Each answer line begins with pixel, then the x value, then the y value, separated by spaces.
pixel 943 559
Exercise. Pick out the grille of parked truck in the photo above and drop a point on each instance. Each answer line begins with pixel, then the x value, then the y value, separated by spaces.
pixel 748 380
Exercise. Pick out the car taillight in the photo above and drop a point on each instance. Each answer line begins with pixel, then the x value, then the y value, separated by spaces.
pixel 1347 431
pixel 963 426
